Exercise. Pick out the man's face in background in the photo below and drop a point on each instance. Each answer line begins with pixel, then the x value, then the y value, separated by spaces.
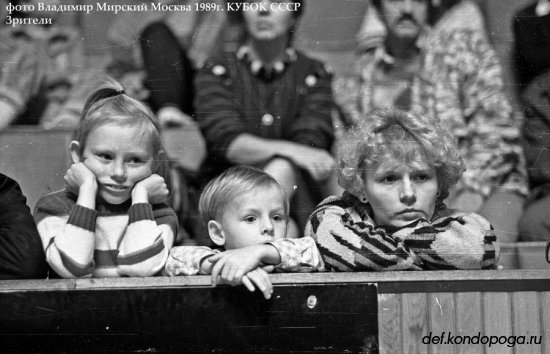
pixel 404 18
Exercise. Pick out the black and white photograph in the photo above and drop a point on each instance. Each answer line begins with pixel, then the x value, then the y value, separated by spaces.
pixel 275 176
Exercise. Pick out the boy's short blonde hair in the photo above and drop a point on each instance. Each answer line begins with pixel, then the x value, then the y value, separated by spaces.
pixel 220 192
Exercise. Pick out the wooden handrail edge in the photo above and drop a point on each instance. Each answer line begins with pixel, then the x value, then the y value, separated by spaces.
pixel 297 279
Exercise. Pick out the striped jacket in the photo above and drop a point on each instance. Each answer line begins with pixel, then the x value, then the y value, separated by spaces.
pixel 349 240
pixel 111 241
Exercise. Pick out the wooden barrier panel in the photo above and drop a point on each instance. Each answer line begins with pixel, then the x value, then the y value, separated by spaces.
pixel 148 316
pixel 390 312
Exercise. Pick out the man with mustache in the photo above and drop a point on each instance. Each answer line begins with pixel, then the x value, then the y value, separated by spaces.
pixel 448 72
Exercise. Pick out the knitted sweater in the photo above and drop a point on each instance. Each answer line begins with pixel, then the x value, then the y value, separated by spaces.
pixel 297 255
pixel 460 84
pixel 44 76
pixel 349 240
pixel 111 241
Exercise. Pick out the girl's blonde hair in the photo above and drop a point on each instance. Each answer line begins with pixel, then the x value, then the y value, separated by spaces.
pixel 109 104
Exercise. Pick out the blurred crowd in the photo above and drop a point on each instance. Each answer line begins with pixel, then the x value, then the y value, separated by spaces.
pixel 239 82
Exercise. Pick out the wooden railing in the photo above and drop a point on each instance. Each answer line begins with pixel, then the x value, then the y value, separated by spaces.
pixel 389 312
pixel 524 255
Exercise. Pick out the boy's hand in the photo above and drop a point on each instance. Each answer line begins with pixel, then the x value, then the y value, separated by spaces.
pixel 150 190
pixel 77 176
pixel 231 265
pixel 260 278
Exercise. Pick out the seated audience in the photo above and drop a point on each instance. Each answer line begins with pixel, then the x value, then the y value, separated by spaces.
pixel 449 73
pixel 157 52
pixel 155 57
pixel 111 219
pixel 246 213
pixel 44 79
pixel 21 254
pixel 397 169
pixel 269 106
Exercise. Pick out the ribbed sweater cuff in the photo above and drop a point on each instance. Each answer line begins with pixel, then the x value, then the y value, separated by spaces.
pixel 83 217
pixel 141 211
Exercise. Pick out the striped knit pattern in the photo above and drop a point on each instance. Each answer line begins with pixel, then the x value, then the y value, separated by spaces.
pixel 111 241
pixel 349 240
pixel 232 101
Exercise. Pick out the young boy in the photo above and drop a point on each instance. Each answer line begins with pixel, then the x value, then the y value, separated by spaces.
pixel 246 213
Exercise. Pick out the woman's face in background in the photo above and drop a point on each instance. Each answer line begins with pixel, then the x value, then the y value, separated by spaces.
pixel 268 22
pixel 401 193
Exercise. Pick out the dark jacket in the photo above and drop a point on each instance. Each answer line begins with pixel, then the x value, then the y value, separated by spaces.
pixel 536 134
pixel 21 253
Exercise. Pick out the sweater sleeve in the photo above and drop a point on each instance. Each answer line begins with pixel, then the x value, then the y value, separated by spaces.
pixel 21 253
pixel 217 110
pixel 147 241
pixel 68 238
pixel 298 255
pixel 187 260
pixel 313 126
pixel 458 241
pixel 348 243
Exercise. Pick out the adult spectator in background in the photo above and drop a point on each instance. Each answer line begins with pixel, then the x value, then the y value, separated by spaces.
pixel 532 49
pixel 532 41
pixel 268 105
pixel 21 253
pixel 43 77
pixel 450 73
pixel 157 53
pixel 396 169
